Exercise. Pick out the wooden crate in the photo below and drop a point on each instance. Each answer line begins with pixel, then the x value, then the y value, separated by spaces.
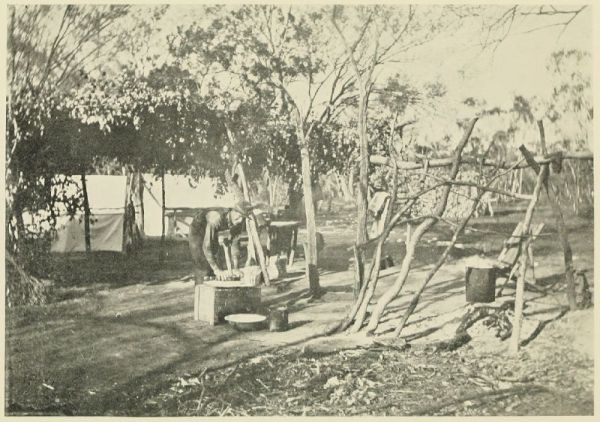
pixel 213 300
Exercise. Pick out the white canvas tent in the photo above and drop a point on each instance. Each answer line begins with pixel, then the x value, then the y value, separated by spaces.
pixel 107 197
pixel 183 199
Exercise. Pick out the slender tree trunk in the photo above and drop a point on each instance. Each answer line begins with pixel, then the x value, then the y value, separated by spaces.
pixel 343 187
pixel 311 225
pixel 16 210
pixel 295 201
pixel 161 253
pixel 133 226
pixel 350 186
pixel 140 182
pixel 362 186
pixel 361 295
pixel 50 198
pixel 363 180
pixel 86 213
pixel 376 265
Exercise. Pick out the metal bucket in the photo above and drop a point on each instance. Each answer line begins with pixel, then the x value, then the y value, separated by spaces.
pixel 480 284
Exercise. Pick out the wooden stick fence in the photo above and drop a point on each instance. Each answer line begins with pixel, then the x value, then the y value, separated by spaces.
pixel 447 162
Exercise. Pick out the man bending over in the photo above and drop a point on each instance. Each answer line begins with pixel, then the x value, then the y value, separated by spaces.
pixel 204 241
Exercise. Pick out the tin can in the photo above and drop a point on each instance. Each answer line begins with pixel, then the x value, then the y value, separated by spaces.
pixel 278 319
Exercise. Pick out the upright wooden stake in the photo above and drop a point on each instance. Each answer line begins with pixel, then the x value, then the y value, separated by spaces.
pixel 86 213
pixel 561 228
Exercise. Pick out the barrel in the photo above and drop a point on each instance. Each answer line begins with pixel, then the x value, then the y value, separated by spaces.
pixel 480 283
pixel 278 319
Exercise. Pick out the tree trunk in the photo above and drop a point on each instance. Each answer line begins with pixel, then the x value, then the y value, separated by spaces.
pixel 140 182
pixel 375 268
pixel 86 213
pixel 14 225
pixel 361 295
pixel 161 251
pixel 363 180
pixel 133 226
pixel 311 225
pixel 50 198
pixel 295 202
pixel 351 177
pixel 362 186
pixel 343 187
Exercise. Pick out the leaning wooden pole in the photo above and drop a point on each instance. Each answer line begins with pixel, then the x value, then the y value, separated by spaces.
pixel 519 295
pixel 254 239
pixel 251 223
pixel 515 338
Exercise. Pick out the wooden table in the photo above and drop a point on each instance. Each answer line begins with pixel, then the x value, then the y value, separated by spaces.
pixel 277 228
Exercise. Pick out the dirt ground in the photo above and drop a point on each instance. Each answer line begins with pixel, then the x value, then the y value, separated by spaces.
pixel 119 339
